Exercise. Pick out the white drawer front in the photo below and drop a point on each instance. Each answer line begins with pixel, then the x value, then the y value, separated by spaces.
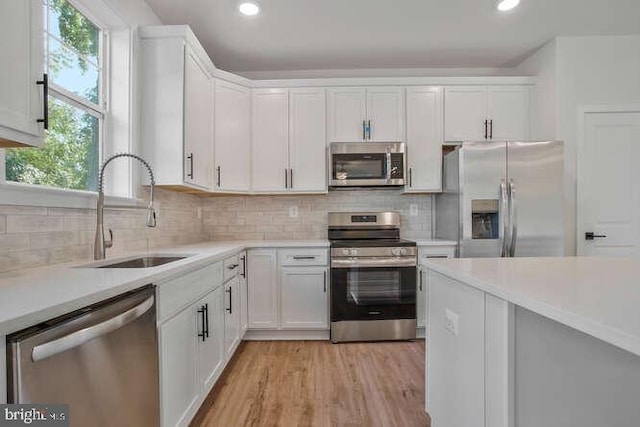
pixel 300 257
pixel 179 293
pixel 231 267
pixel 425 253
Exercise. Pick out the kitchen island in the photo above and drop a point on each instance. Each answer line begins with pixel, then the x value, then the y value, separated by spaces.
pixel 533 341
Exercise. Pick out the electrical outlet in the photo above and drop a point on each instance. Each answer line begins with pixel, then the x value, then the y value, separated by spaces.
pixel 293 212
pixel 451 321
pixel 413 210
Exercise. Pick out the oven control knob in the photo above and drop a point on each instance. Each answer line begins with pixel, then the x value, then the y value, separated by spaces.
pixel 353 252
pixel 403 251
pixel 345 252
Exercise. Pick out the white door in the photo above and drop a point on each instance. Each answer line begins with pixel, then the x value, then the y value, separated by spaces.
pixel 270 140
pixel 303 298
pixel 509 113
pixel 424 138
pixel 608 195
pixel 231 316
pixel 211 346
pixel 198 117
pixel 385 114
pixel 465 113
pixel 347 114
pixel 307 140
pixel 178 362
pixel 21 51
pixel 263 289
pixel 232 129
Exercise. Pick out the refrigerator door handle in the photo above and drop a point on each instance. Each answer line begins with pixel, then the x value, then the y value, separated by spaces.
pixel 512 218
pixel 505 217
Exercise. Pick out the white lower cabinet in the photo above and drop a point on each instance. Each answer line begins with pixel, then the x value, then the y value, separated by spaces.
pixel 211 354
pixel 231 316
pixel 303 298
pixel 288 289
pixel 425 253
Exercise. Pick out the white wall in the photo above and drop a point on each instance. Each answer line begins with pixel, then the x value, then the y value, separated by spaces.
pixel 574 72
pixel 134 12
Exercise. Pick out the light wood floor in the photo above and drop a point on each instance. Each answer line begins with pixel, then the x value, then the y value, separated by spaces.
pixel 316 383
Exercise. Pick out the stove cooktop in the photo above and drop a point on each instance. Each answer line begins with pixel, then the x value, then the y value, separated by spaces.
pixel 372 243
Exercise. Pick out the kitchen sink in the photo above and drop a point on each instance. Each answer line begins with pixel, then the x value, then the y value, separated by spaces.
pixel 146 261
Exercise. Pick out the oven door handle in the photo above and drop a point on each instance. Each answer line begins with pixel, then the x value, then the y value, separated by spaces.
pixel 373 262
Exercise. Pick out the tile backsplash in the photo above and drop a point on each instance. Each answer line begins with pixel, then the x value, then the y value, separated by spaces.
pixel 268 217
pixel 38 236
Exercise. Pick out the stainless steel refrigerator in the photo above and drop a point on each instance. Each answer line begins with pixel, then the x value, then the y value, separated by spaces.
pixel 503 199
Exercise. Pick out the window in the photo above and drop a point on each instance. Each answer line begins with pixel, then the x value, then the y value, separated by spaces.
pixel 70 156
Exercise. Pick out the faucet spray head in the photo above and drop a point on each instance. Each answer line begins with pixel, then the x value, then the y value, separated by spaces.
pixel 151 216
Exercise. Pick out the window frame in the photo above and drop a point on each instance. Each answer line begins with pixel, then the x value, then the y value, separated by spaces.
pixel 108 21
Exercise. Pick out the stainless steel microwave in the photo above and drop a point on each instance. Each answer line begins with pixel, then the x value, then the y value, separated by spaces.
pixel 356 164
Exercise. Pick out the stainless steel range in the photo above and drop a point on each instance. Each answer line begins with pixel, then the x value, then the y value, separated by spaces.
pixel 373 278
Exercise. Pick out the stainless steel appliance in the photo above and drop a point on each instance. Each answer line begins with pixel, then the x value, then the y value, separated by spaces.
pixel 101 360
pixel 373 278
pixel 503 199
pixel 354 164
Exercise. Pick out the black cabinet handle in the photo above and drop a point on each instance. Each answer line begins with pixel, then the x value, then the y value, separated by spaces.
pixel 244 266
pixel 410 177
pixel 206 320
pixel 230 309
pixel 218 170
pixel 486 128
pixel 325 281
pixel 364 131
pixel 300 257
pixel 291 178
pixel 590 235
pixel 491 129
pixel 286 179
pixel 202 312
pixel 45 100
pixel 190 158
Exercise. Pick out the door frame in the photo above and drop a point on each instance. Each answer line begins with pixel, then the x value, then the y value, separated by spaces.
pixel 583 112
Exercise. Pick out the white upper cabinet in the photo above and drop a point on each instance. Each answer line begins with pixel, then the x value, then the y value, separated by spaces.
pixel 509 113
pixel 270 140
pixel 424 139
pixel 366 114
pixel 21 68
pixel 477 113
pixel 347 114
pixel 198 122
pixel 288 141
pixel 176 107
pixel 385 114
pixel 232 136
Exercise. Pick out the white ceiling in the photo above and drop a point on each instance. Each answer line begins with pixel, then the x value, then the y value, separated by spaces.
pixel 349 34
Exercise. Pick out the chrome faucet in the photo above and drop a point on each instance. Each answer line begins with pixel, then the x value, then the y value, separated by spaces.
pixel 100 244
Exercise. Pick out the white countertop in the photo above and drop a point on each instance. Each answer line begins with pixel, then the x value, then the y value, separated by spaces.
pixel 32 296
pixel 597 296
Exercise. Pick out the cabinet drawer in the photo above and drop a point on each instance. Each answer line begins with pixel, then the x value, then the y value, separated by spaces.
pixel 435 252
pixel 177 294
pixel 231 267
pixel 293 257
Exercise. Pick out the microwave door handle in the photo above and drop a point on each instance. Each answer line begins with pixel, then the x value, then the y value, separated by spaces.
pixel 388 167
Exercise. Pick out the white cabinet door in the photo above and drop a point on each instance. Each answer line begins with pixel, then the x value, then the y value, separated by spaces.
pixel 263 289
pixel 242 275
pixel 424 138
pixel 198 118
pixel 347 114
pixel 509 113
pixel 270 140
pixel 211 347
pixel 422 294
pixel 21 50
pixel 385 114
pixel 232 129
pixel 231 316
pixel 465 113
pixel 307 140
pixel 180 388
pixel 303 298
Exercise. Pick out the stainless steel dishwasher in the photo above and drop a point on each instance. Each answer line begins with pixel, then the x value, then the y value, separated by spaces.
pixel 101 360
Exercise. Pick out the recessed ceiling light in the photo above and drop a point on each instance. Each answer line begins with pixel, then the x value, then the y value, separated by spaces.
pixel 249 8
pixel 504 5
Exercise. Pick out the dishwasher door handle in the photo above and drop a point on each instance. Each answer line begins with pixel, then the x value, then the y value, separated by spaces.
pixel 85 335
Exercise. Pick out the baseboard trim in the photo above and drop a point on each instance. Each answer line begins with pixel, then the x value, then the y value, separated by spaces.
pixel 285 335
